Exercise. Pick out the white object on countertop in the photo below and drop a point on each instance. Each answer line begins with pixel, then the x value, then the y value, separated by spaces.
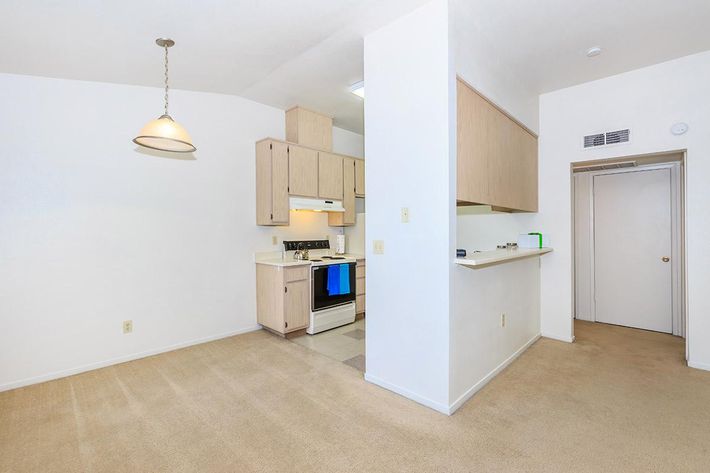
pixel 533 241
pixel 485 258
pixel 340 244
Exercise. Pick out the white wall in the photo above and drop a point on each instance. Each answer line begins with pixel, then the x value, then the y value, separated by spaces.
pixel 484 231
pixel 348 142
pixel 410 149
pixel 476 65
pixel 648 101
pixel 94 232
pixel 480 346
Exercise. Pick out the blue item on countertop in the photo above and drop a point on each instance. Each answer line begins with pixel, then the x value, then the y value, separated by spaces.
pixel 333 283
pixel 460 253
pixel 344 278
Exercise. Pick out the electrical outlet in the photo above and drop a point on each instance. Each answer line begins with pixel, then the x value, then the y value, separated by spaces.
pixel 502 320
pixel 405 215
pixel 274 240
pixel 378 247
pixel 127 326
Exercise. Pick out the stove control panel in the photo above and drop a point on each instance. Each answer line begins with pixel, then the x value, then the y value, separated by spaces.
pixel 306 245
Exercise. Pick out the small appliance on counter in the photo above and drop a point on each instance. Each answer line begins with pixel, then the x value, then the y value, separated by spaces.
pixel 507 246
pixel 339 244
pixel 533 240
pixel 460 253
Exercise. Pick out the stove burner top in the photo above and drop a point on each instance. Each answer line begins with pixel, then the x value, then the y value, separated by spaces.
pixel 333 257
pixel 315 259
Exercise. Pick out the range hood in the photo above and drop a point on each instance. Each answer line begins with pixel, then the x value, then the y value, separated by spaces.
pixel 319 205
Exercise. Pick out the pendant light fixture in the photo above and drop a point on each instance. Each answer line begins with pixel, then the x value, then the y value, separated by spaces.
pixel 164 133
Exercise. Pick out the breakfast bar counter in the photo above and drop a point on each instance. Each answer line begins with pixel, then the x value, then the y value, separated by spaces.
pixel 487 258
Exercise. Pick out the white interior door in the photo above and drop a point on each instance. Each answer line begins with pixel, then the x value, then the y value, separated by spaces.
pixel 632 249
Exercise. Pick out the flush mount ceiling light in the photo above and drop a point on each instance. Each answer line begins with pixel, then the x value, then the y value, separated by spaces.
pixel 594 51
pixel 358 88
pixel 164 133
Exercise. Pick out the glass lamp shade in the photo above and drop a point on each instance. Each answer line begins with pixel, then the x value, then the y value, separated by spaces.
pixel 165 134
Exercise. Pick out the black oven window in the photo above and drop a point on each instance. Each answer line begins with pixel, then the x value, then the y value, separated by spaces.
pixel 329 293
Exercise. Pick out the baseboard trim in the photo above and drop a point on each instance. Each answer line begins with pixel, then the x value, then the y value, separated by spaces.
pixel 699 366
pixel 439 407
pixel 121 359
pixel 558 337
pixel 487 379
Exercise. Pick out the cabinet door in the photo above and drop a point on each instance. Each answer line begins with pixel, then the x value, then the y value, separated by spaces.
pixel 360 304
pixel 279 183
pixel 330 176
pixel 344 219
pixel 360 178
pixel 302 171
pixel 500 160
pixel 472 143
pixel 309 128
pixel 349 191
pixel 526 167
pixel 296 305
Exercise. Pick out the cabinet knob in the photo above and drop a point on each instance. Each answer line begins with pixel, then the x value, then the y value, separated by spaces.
pixel 665 259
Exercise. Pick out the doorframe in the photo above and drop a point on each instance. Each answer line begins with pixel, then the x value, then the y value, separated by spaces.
pixel 678 315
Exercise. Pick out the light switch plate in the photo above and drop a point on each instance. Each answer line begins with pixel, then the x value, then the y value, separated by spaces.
pixel 378 247
pixel 274 240
pixel 405 214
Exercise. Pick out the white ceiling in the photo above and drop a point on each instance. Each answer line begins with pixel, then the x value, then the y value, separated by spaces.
pixel 541 45
pixel 308 52
pixel 278 52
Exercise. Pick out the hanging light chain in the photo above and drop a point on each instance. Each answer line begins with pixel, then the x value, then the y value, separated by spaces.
pixel 166 79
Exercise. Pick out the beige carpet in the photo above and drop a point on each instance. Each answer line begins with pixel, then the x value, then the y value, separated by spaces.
pixel 618 400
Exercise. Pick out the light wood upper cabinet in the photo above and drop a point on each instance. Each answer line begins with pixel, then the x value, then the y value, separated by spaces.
pixel 285 169
pixel 308 128
pixel 360 178
pixel 497 157
pixel 343 219
pixel 330 176
pixel 302 171
pixel 272 206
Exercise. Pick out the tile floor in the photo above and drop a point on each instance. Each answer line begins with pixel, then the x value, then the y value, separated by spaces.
pixel 345 344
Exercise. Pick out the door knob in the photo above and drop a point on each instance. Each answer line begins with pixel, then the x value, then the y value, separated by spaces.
pixel 665 259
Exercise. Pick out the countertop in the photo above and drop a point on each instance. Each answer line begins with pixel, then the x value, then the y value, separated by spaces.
pixel 283 262
pixel 487 258
pixel 278 261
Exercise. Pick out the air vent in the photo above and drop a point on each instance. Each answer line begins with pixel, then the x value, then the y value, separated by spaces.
pixel 604 166
pixel 619 136
pixel 607 138
pixel 594 140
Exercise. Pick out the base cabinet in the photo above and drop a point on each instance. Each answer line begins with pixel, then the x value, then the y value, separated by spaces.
pixel 360 287
pixel 283 297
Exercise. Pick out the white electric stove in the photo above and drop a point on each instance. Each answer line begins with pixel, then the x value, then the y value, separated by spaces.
pixel 332 284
